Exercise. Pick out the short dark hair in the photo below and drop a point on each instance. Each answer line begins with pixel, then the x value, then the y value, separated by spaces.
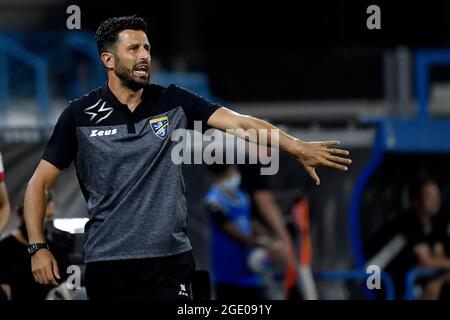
pixel 108 31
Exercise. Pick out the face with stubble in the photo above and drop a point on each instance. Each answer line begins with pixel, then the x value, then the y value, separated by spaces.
pixel 131 59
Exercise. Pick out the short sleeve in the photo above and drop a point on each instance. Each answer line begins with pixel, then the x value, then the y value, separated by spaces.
pixel 62 145
pixel 2 170
pixel 195 107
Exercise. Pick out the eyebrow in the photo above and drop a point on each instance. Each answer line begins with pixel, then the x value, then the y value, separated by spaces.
pixel 138 44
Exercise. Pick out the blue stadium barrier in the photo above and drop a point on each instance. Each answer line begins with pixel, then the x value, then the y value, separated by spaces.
pixel 421 134
pixel 9 47
pixel 358 275
pixel 85 43
pixel 41 49
pixel 411 278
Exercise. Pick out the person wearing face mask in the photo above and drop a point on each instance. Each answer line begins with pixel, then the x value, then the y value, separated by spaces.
pixel 233 235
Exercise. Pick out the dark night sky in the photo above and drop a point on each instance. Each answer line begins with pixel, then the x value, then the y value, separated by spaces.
pixel 285 24
pixel 279 49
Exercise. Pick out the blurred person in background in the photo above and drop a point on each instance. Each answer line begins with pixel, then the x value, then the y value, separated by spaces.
pixel 16 277
pixel 233 235
pixel 266 210
pixel 4 200
pixel 263 203
pixel 425 227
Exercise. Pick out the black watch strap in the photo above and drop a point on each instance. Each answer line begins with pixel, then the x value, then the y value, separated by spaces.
pixel 35 247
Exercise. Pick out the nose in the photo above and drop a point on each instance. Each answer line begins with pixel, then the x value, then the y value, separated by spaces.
pixel 144 55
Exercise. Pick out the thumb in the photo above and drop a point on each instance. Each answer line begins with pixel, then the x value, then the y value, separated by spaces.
pixel 312 173
pixel 55 269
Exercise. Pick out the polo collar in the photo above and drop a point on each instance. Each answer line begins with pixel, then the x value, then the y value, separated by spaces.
pixel 111 99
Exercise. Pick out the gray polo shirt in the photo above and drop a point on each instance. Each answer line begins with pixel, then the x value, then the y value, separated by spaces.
pixel 135 194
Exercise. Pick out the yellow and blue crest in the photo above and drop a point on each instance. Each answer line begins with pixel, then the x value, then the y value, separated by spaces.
pixel 160 126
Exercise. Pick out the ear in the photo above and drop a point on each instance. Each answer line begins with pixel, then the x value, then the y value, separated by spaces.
pixel 108 60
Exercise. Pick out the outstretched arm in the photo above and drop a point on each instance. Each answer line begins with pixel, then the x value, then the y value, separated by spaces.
pixel 310 154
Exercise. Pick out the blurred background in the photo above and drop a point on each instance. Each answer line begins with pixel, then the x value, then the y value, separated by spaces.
pixel 314 69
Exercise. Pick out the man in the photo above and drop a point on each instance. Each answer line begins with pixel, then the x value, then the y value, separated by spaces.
pixel 16 277
pixel 4 200
pixel 264 205
pixel 233 234
pixel 136 245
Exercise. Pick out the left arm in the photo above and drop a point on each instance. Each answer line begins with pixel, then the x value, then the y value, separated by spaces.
pixel 310 154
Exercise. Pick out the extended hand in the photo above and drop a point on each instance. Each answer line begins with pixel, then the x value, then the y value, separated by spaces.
pixel 321 153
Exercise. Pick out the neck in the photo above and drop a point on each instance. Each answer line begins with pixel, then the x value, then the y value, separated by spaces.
pixel 124 94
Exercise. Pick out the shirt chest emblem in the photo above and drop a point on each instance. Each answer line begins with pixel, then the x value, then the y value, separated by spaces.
pixel 160 126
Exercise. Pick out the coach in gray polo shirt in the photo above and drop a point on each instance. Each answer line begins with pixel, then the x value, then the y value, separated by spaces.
pixel 118 136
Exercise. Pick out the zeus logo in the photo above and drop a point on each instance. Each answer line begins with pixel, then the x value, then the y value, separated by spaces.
pixel 102 111
pixel 100 133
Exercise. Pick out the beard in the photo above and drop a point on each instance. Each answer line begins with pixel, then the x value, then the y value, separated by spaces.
pixel 127 77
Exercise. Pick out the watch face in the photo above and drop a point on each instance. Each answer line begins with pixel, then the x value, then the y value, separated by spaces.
pixel 32 248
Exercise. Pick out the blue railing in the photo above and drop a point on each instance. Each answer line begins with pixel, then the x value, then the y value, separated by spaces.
pixel 358 275
pixel 426 59
pixel 421 134
pixel 41 50
pixel 412 276
pixel 11 48
pixel 84 43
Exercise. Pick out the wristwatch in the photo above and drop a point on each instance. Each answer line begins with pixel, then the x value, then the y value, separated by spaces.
pixel 34 247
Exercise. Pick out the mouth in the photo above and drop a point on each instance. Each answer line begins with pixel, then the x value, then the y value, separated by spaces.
pixel 141 69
